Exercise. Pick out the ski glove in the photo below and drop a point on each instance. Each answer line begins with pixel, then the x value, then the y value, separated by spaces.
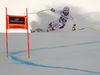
pixel 74 27
pixel 52 9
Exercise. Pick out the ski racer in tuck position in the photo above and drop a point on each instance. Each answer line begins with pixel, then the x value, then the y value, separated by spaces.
pixel 61 22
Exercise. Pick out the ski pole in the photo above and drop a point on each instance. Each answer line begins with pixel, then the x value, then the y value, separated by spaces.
pixel 88 28
pixel 39 11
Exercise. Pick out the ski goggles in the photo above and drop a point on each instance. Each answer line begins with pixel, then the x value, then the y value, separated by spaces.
pixel 66 11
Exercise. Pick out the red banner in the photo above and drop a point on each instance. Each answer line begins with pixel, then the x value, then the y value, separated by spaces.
pixel 16 22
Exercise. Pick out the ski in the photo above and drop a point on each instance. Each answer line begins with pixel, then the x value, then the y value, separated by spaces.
pixel 39 30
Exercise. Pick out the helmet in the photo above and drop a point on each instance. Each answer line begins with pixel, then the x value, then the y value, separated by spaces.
pixel 66 8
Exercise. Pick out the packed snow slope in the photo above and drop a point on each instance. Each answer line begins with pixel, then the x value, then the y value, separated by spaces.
pixel 56 53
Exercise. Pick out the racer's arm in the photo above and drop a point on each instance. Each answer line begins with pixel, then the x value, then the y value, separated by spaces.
pixel 53 10
pixel 74 22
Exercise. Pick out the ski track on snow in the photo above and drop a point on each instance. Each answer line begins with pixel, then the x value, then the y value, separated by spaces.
pixel 40 65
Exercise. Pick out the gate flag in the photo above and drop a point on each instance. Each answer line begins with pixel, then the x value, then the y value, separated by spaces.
pixel 17 22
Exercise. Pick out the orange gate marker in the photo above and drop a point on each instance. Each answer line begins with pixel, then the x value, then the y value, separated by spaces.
pixel 17 22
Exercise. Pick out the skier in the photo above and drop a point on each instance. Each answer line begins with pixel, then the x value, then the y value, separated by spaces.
pixel 61 22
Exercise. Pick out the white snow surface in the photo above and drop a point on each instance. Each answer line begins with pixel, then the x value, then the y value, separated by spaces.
pixel 56 53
